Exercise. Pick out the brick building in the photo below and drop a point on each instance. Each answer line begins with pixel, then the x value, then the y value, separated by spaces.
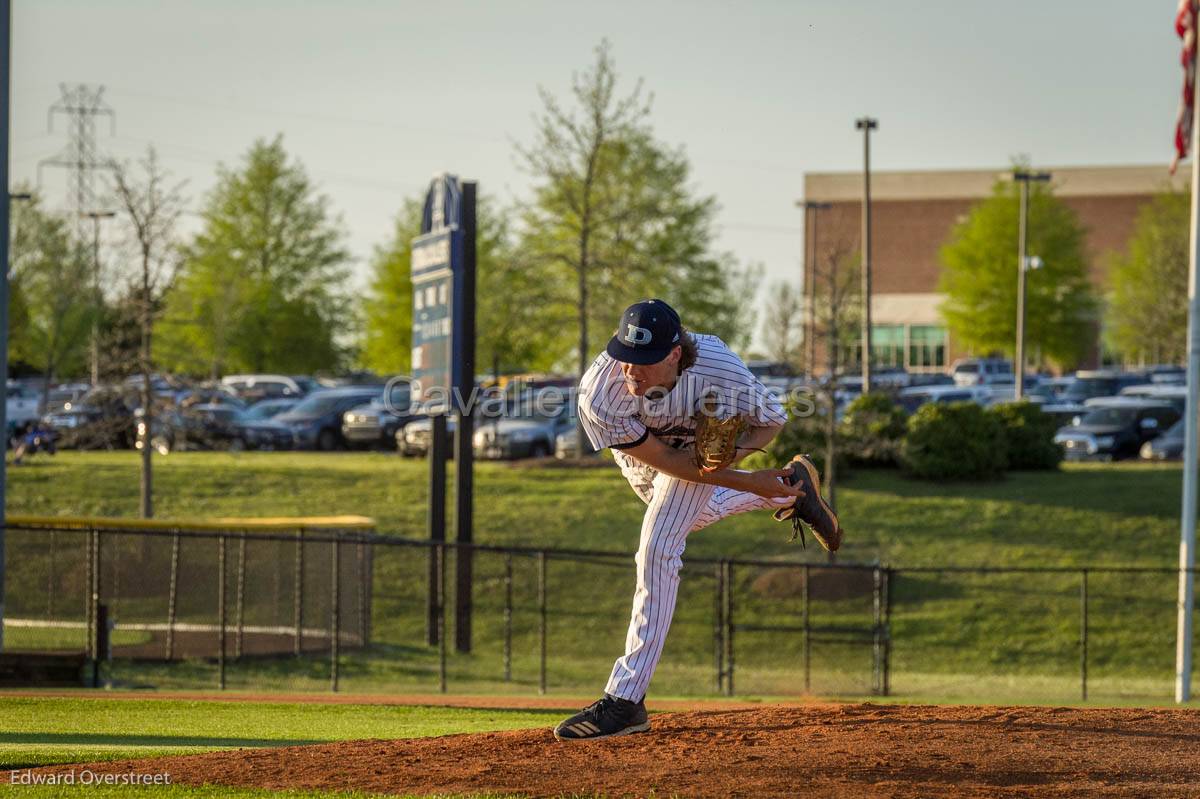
pixel 912 214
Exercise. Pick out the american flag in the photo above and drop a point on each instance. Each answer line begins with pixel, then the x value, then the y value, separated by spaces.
pixel 1185 26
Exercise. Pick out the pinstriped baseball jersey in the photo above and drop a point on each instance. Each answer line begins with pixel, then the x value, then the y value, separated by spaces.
pixel 718 382
pixel 613 417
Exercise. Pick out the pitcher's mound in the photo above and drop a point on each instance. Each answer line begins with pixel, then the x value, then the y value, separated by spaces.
pixel 818 750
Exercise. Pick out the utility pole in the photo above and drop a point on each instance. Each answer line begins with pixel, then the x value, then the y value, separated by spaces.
pixel 96 216
pixel 866 125
pixel 6 63
pixel 81 104
pixel 810 279
pixel 1024 178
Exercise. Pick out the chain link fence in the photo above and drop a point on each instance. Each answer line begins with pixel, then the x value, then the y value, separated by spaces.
pixel 345 609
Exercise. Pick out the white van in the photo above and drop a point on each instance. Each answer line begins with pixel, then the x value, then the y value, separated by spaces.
pixel 981 371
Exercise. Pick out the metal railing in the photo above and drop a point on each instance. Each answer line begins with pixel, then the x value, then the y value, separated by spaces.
pixel 860 599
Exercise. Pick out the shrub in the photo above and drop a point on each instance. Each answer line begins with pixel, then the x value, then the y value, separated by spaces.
pixel 1028 435
pixel 804 433
pixel 872 430
pixel 957 441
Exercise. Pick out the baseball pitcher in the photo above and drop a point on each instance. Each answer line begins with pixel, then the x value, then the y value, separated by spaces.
pixel 678 410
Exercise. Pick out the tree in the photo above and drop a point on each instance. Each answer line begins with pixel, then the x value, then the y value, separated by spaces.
pixel 52 286
pixel 783 327
pixel 513 299
pixel 979 277
pixel 613 208
pixel 836 323
pixel 1148 300
pixel 261 287
pixel 149 208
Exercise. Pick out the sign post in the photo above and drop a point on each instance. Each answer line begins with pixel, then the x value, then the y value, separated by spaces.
pixel 443 368
pixel 464 452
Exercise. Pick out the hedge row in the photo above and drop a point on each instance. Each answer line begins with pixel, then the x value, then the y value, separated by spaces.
pixel 959 441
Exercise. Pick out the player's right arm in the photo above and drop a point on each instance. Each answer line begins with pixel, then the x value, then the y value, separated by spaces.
pixel 678 463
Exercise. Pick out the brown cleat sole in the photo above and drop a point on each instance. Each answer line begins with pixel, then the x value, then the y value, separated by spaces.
pixel 812 509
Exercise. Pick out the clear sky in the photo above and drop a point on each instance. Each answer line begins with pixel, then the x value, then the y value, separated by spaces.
pixel 374 97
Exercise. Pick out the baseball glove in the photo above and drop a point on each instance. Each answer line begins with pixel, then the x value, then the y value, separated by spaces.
pixel 716 441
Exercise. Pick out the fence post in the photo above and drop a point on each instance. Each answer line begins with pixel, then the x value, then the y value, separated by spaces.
pixel 173 595
pixel 51 578
pixel 369 583
pixel 1083 634
pixel 221 612
pixel 804 609
pixel 877 632
pixel 718 622
pixel 89 594
pixel 240 611
pixel 729 604
pixel 335 630
pixel 361 593
pixel 102 643
pixel 441 617
pixel 508 613
pixel 541 564
pixel 298 590
pixel 887 632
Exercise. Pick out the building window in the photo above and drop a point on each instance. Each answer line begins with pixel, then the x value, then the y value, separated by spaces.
pixel 926 347
pixel 887 345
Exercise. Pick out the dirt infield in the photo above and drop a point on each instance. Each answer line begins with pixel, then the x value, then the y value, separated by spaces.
pixel 818 750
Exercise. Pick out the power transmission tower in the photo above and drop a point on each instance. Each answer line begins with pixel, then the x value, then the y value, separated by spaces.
pixel 81 103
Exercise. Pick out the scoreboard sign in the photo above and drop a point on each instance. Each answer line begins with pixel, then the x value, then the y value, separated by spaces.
pixel 437 283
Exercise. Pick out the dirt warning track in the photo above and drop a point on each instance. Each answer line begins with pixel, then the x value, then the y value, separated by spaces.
pixel 818 750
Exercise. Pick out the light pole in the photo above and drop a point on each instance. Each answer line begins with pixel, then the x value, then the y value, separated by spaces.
pixel 866 125
pixel 5 72
pixel 810 279
pixel 1024 178
pixel 96 216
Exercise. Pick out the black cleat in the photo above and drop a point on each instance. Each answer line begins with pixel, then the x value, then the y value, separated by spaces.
pixel 604 719
pixel 810 508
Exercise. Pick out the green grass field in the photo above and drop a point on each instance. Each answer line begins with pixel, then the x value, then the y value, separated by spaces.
pixel 39 731
pixel 1008 637
pixel 43 731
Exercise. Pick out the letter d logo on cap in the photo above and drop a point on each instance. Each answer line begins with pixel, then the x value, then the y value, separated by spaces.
pixel 637 335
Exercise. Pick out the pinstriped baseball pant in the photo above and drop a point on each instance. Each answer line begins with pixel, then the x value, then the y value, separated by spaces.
pixel 674 509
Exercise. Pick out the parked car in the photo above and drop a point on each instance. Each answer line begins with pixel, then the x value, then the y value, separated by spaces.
pixel 270 408
pixel 529 433
pixel 259 387
pixel 162 386
pixel 1174 394
pixel 101 419
pixel 1167 447
pixel 375 425
pixel 1101 383
pixel 22 406
pixel 930 379
pixel 64 395
pixel 216 427
pixel 912 398
pixel 1115 428
pixel 890 377
pixel 1166 375
pixel 416 437
pixel 566 445
pixel 978 371
pixel 317 420
pixel 210 394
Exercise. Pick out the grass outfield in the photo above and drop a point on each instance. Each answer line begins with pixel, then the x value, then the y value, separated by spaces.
pixel 1103 514
pixel 40 731
pixel 1015 634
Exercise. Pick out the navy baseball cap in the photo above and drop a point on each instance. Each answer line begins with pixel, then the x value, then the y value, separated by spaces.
pixel 646 334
